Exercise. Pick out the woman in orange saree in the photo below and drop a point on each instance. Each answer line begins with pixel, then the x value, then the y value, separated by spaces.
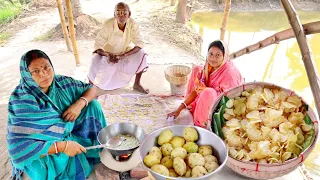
pixel 207 82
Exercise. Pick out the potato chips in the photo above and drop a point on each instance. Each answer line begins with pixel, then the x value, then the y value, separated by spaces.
pixel 266 125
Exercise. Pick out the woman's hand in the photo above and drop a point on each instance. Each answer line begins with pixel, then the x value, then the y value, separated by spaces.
pixel 72 113
pixel 74 148
pixel 175 114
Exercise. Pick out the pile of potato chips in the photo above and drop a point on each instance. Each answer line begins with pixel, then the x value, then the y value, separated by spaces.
pixel 266 125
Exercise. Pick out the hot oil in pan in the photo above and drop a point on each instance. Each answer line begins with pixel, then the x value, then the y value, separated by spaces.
pixel 129 141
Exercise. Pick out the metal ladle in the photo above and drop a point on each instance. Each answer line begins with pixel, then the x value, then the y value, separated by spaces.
pixel 111 143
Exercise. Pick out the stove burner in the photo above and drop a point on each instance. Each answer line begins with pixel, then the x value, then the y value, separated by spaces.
pixel 122 158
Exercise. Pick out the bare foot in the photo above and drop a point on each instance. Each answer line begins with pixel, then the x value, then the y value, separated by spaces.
pixel 139 88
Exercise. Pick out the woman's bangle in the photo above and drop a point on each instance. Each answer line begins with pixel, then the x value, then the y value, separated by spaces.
pixel 66 146
pixel 55 146
pixel 85 100
pixel 184 104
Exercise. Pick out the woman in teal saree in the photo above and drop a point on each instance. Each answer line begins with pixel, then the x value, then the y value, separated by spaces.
pixel 51 119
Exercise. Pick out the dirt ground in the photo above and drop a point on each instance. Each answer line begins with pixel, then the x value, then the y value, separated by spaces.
pixel 180 45
pixel 35 23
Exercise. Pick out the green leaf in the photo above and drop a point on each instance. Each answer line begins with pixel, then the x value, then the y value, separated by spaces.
pixel 218 124
pixel 214 126
pixel 307 107
pixel 221 112
pixel 308 140
pixel 307 119
pixel 223 101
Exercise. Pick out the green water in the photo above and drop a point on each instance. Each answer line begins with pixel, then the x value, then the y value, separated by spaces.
pixel 280 64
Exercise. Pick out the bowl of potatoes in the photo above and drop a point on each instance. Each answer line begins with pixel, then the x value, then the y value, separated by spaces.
pixel 183 152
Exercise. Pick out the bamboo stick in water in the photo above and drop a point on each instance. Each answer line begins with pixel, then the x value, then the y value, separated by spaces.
pixel 63 25
pixel 72 31
pixel 306 53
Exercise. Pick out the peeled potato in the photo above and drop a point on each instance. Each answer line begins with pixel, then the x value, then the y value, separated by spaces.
pixel 198 171
pixel 179 166
pixel 177 141
pixel 179 152
pixel 188 172
pixel 156 151
pixel 195 159
pixel 167 162
pixel 166 149
pixel 191 147
pixel 165 136
pixel 205 150
pixel 211 166
pixel 210 158
pixel 190 134
pixel 151 160
pixel 173 173
pixel 160 169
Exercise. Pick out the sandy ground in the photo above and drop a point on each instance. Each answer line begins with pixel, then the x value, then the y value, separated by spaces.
pixel 160 51
pixel 161 48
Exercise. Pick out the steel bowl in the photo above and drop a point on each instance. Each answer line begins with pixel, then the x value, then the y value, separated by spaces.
pixel 121 128
pixel 205 138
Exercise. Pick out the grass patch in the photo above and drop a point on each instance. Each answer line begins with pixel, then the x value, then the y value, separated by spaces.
pixel 4 37
pixel 9 12
pixel 191 24
pixel 45 37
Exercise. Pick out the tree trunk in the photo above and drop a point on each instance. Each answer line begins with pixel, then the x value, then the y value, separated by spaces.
pixel 173 2
pixel 181 15
pixel 76 9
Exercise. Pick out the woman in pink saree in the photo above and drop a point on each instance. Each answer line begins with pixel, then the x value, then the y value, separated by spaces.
pixel 206 83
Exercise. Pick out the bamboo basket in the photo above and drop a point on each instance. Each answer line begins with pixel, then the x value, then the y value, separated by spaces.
pixel 177 74
pixel 265 171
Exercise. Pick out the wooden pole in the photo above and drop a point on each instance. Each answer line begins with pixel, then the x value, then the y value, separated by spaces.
pixel 306 53
pixel 63 25
pixel 225 19
pixel 72 32
pixel 310 28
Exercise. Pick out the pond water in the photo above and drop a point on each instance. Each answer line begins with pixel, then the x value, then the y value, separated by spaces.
pixel 280 64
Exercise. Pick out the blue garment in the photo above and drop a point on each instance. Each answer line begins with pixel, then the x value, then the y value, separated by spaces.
pixel 35 123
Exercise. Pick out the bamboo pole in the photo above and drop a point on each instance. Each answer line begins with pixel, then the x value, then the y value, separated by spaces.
pixel 225 19
pixel 72 31
pixel 310 28
pixel 306 53
pixel 63 25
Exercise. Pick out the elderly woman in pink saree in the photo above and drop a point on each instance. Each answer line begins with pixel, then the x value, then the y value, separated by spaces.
pixel 206 83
